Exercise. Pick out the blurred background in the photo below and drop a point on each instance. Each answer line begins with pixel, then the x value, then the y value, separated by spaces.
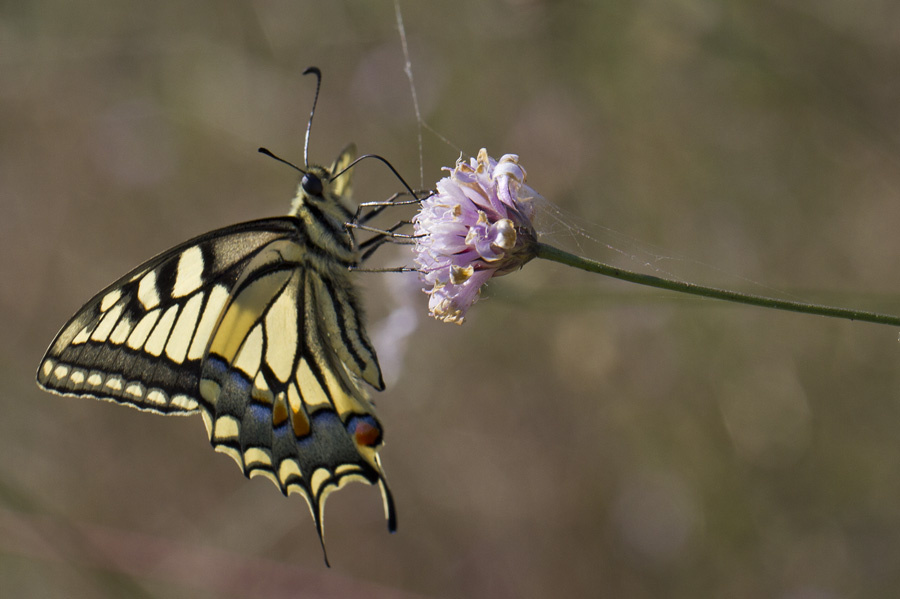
pixel 577 436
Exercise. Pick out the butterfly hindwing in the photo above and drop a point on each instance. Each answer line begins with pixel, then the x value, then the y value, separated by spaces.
pixel 283 403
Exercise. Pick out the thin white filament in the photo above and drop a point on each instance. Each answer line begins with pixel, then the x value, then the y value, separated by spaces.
pixel 407 68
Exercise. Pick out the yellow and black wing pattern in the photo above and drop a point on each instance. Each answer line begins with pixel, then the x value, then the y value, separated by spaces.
pixel 257 327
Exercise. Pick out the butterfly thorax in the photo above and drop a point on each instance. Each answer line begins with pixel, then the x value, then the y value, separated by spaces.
pixel 318 206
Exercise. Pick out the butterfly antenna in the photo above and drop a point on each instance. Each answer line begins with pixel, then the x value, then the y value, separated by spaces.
pixel 282 160
pixel 315 71
pixel 385 161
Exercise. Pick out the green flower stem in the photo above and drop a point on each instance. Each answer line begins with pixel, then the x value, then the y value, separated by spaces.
pixel 549 252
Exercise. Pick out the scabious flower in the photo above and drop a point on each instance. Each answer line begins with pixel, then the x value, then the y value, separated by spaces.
pixel 476 226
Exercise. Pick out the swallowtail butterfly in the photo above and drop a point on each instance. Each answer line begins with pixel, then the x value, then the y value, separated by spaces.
pixel 257 327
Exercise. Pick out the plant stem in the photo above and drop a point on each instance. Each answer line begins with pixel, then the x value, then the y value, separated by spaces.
pixel 549 252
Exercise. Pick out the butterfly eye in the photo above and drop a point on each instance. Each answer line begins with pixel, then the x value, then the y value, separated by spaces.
pixel 311 184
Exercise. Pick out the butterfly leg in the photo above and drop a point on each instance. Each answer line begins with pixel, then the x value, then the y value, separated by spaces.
pixel 378 207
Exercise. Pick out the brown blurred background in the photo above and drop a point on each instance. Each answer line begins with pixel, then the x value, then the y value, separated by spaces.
pixel 578 436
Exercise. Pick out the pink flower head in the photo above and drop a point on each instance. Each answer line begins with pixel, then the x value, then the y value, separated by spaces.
pixel 477 226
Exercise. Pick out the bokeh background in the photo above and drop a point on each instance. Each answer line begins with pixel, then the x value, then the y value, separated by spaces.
pixel 577 436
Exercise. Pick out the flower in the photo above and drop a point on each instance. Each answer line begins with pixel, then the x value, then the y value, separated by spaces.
pixel 476 226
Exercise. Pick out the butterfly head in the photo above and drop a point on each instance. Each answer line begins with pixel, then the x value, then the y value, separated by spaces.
pixel 312 185
pixel 320 190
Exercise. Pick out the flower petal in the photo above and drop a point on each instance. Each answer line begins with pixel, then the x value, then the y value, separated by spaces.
pixel 477 226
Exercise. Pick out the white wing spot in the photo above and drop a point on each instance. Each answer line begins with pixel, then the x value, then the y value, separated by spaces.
pixel 319 478
pixel 110 299
pixel 217 298
pixel 296 489
pixel 61 371
pixel 47 367
pixel 233 453
pixel 135 390
pixel 142 330
pixel 313 394
pixel 120 333
pixel 137 276
pixel 344 469
pixel 189 276
pixel 180 339
pixel 156 396
pixel 106 324
pixel 248 359
pixel 342 400
pixel 77 377
pixel 261 391
pixel 255 455
pixel 115 383
pixel 82 336
pixel 227 427
pixel 281 336
pixel 287 468
pixel 148 294
pixel 186 403
pixel 157 340
pixel 210 390
pixel 294 398
pixel 95 379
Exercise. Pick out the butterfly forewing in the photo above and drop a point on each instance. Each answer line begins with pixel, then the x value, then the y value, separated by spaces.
pixel 140 341
pixel 256 326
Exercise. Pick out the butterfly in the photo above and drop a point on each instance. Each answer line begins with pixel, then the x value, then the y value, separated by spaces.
pixel 259 328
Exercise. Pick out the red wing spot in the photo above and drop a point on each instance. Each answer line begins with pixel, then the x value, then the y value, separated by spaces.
pixel 366 432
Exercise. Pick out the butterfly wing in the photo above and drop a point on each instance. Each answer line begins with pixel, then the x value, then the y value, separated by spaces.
pixel 140 341
pixel 255 331
pixel 281 385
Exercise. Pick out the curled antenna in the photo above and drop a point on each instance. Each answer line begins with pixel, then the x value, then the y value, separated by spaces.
pixel 382 159
pixel 315 71
pixel 282 160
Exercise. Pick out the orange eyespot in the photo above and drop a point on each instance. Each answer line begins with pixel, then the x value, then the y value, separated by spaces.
pixel 365 431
